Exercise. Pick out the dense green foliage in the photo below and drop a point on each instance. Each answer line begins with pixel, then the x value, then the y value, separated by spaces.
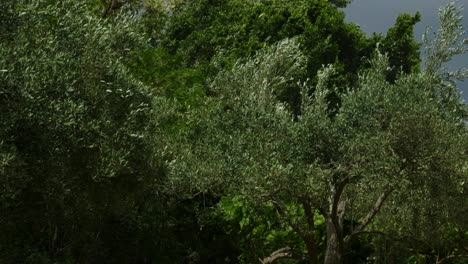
pixel 227 131
pixel 203 36
pixel 73 126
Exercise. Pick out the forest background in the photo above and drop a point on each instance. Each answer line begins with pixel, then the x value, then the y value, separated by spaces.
pixel 228 131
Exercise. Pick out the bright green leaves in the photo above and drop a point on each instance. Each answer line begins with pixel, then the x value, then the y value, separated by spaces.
pixel 200 29
pixel 259 227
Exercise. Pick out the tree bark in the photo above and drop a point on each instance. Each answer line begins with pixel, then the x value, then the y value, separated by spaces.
pixel 334 251
pixel 334 223
pixel 309 238
pixel 312 251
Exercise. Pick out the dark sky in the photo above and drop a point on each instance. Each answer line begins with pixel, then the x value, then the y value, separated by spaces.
pixel 380 15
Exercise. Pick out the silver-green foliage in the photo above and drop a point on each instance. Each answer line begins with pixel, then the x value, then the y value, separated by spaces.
pixel 73 120
pixel 441 47
pixel 446 42
pixel 404 143
pixel 62 76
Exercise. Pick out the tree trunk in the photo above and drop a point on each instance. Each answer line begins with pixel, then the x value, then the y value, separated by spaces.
pixel 334 251
pixel 309 236
pixel 312 250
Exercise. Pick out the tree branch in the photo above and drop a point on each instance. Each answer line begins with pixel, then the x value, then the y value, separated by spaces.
pixel 374 232
pixel 341 211
pixel 280 253
pixel 450 257
pixel 308 214
pixel 280 209
pixel 112 5
pixel 337 196
pixel 378 205
pixel 322 211
pixel 310 241
pixel 337 208
pixel 370 216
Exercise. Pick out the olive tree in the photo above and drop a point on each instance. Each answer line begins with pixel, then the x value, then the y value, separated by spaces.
pixel 75 164
pixel 391 154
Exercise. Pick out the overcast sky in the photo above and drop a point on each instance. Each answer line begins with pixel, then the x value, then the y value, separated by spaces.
pixel 379 15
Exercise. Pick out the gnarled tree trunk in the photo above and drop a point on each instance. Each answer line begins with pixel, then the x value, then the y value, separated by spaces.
pixel 334 251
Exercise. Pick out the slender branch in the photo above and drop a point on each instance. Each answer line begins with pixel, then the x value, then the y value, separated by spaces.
pixel 461 245
pixel 369 217
pixel 108 8
pixel 112 5
pixel 309 215
pixel 310 241
pixel 323 212
pixel 374 232
pixel 387 235
pixel 376 209
pixel 451 257
pixel 464 248
pixel 280 253
pixel 280 209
